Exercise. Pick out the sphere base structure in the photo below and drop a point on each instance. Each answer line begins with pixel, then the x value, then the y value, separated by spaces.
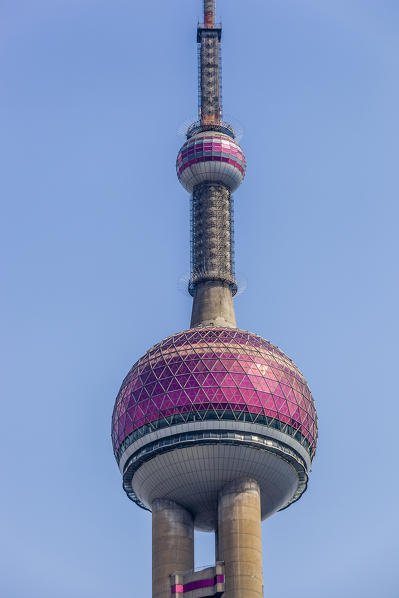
pixel 203 459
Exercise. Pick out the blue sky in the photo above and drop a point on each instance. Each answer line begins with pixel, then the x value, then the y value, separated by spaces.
pixel 95 238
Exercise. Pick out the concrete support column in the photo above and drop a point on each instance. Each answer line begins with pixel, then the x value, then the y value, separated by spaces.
pixel 213 305
pixel 172 544
pixel 239 539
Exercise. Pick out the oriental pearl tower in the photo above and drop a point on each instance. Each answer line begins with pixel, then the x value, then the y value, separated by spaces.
pixel 214 428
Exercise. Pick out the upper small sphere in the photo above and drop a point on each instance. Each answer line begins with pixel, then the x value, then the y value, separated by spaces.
pixel 210 157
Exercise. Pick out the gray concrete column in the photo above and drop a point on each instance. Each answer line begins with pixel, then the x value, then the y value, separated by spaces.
pixel 172 544
pixel 213 305
pixel 239 537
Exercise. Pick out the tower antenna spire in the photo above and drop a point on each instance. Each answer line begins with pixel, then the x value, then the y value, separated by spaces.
pixel 208 38
pixel 211 165
pixel 209 13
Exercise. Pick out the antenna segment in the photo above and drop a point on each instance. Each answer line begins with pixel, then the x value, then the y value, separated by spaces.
pixel 208 38
pixel 209 13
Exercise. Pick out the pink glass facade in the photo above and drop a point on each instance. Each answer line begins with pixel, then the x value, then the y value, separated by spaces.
pixel 210 157
pixel 214 373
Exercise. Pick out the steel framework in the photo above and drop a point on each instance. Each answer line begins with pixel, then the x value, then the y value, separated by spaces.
pixel 212 234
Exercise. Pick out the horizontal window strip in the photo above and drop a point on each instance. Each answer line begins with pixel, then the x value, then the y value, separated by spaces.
pixel 196 585
pixel 226 160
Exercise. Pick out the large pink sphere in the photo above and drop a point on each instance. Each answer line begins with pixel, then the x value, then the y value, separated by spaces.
pixel 207 406
pixel 214 373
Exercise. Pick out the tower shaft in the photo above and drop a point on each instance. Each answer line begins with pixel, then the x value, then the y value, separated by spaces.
pixel 212 256
pixel 237 572
pixel 172 544
pixel 239 543
pixel 213 305
pixel 211 165
pixel 212 234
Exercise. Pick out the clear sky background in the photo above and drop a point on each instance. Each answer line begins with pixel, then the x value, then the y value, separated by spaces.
pixel 95 238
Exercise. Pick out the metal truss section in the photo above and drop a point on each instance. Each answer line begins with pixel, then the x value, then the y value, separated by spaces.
pixel 210 109
pixel 212 250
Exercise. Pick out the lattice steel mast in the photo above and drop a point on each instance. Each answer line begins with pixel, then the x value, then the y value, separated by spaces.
pixel 208 36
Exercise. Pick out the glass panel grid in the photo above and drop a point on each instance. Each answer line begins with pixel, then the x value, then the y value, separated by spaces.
pixel 215 373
